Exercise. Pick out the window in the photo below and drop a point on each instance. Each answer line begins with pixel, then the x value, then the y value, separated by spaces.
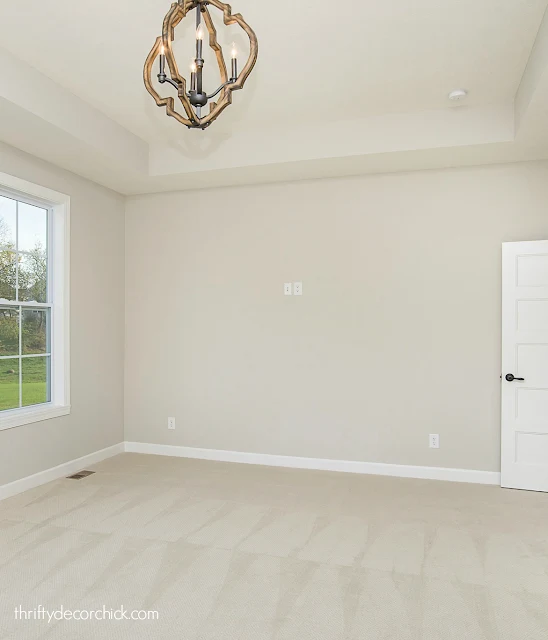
pixel 33 303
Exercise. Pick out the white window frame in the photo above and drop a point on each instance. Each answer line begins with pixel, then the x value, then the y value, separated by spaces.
pixel 58 205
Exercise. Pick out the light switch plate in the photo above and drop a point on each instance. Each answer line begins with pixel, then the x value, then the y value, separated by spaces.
pixel 288 289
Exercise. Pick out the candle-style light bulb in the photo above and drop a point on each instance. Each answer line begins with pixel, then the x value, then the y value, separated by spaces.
pixel 234 56
pixel 162 61
pixel 199 39
pixel 193 70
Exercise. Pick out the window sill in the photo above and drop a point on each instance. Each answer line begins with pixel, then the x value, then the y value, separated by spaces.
pixel 19 417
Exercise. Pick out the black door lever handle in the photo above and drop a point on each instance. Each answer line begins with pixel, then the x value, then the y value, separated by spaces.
pixel 510 377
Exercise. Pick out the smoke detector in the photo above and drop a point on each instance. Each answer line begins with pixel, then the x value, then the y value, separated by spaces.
pixel 457 95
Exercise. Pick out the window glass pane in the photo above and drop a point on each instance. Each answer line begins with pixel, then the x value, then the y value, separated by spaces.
pixel 33 276
pixel 8 210
pixel 35 380
pixel 9 331
pixel 35 331
pixel 33 228
pixel 8 276
pixel 9 384
pixel 25 373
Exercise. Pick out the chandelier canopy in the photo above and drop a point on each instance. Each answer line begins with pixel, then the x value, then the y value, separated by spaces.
pixel 192 95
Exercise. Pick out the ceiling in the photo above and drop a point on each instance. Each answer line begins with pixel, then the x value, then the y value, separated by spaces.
pixel 357 88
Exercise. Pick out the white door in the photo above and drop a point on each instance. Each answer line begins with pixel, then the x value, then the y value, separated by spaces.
pixel 524 462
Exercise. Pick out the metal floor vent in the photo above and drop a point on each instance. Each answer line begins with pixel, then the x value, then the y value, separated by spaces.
pixel 80 475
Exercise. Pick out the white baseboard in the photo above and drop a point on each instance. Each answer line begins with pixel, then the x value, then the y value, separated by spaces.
pixel 62 470
pixel 347 466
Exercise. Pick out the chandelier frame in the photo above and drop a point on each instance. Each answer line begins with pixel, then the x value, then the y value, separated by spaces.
pixel 162 49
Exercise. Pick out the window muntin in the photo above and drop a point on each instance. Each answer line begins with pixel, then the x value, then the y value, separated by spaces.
pixel 25 303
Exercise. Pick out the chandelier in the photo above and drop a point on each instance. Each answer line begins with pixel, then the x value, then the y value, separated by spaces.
pixel 193 95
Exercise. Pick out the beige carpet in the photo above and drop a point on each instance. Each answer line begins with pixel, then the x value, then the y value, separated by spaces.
pixel 236 552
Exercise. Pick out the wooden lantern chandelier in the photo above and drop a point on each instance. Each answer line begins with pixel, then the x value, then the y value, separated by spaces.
pixel 193 97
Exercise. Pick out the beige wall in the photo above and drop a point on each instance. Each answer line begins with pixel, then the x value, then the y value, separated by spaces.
pixel 97 325
pixel 397 334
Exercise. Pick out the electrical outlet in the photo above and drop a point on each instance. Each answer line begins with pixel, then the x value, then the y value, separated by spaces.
pixel 288 289
pixel 171 423
pixel 298 288
pixel 434 441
